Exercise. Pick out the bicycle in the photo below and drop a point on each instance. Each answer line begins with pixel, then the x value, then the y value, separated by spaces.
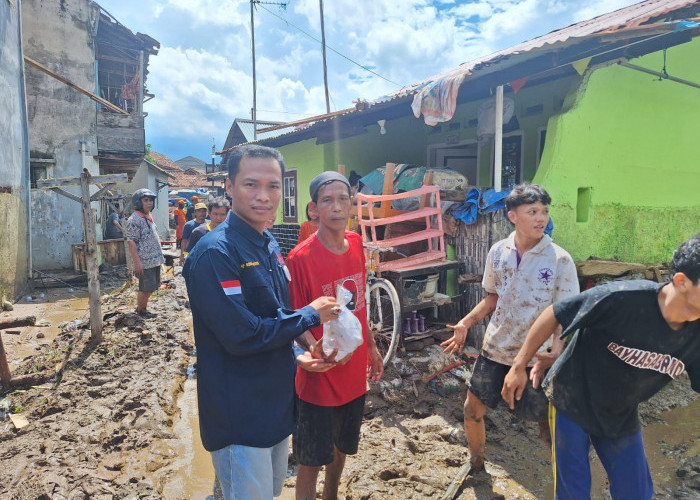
pixel 383 307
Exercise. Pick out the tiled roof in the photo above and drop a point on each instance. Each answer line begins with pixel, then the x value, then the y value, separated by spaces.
pixel 191 162
pixel 165 163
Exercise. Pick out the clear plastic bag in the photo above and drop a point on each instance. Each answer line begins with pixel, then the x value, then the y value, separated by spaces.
pixel 345 332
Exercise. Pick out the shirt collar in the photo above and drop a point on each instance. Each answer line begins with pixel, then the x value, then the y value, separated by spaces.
pixel 240 228
pixel 541 245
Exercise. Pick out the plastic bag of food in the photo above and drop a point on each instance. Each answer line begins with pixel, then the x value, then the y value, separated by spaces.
pixel 345 332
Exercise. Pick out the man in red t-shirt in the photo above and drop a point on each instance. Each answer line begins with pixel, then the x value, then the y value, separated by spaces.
pixel 331 395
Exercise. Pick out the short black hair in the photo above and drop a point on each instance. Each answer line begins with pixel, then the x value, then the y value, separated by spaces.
pixel 525 194
pixel 686 259
pixel 251 151
pixel 218 202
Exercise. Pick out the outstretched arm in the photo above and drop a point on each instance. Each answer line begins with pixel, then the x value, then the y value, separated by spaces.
pixel 480 311
pixel 516 379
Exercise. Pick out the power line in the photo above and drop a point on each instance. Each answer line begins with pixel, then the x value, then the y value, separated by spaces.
pixel 329 47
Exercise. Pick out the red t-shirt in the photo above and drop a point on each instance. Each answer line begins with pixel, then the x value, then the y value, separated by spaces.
pixel 316 271
pixel 306 230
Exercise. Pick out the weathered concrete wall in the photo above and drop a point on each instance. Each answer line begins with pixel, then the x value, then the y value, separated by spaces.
pixel 14 155
pixel 620 164
pixel 59 35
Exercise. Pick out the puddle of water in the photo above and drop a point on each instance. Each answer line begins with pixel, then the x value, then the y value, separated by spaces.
pixel 194 477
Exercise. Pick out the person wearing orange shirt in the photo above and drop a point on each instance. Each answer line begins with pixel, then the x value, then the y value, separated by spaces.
pixel 311 225
pixel 179 215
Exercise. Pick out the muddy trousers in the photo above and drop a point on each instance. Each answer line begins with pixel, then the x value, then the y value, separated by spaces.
pixel 623 458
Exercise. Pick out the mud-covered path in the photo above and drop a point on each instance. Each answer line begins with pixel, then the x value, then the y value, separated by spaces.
pixel 110 427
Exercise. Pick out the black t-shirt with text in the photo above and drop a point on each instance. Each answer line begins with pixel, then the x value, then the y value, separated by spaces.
pixel 622 352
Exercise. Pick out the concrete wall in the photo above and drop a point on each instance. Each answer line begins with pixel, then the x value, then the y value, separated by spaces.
pixel 59 35
pixel 14 155
pixel 621 164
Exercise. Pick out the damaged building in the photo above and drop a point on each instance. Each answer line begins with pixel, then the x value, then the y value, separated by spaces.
pixel 85 88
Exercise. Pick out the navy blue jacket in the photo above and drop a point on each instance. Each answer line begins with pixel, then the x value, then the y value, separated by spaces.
pixel 244 329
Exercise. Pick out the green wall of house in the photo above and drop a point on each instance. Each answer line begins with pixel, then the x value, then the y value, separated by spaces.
pixel 307 159
pixel 620 164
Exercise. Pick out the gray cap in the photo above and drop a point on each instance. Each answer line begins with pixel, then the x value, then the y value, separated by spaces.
pixel 325 178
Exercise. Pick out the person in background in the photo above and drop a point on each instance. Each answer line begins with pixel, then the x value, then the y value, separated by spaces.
pixel 628 340
pixel 331 397
pixel 179 215
pixel 524 273
pixel 200 214
pixel 218 210
pixel 310 226
pixel 144 246
pixel 244 327
pixel 113 229
pixel 189 214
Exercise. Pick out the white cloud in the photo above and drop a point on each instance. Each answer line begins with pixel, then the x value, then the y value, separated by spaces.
pixel 214 12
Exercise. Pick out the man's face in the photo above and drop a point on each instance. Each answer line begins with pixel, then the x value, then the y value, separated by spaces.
pixel 147 204
pixel 200 214
pixel 530 220
pixel 692 295
pixel 256 191
pixel 217 215
pixel 333 206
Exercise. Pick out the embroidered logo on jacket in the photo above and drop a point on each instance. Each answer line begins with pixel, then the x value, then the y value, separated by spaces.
pixel 545 275
pixel 662 363
pixel 232 287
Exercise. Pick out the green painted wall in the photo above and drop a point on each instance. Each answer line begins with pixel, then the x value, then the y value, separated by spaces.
pixel 307 159
pixel 627 145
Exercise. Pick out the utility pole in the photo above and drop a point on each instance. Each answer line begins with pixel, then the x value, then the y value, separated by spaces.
pixel 252 42
pixel 325 71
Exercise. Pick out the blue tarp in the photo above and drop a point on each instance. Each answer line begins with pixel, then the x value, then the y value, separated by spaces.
pixel 476 203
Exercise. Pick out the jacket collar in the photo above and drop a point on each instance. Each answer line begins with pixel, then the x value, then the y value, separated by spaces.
pixel 238 227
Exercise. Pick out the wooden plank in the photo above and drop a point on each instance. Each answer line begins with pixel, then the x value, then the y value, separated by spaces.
pixel 15 322
pixel 75 86
pixel 75 181
pixel 5 375
pixel 91 260
pixel 68 195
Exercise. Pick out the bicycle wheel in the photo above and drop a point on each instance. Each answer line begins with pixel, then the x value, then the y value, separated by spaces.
pixel 384 317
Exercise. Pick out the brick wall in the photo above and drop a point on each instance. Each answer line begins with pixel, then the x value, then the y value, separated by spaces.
pixel 286 235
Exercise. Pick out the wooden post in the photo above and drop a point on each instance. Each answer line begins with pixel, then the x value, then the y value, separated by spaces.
pixel 84 182
pixel 93 271
pixel 5 375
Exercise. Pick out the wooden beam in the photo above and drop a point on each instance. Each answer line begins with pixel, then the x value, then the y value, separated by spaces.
pixel 67 194
pixel 75 86
pixel 96 195
pixel 15 322
pixel 75 181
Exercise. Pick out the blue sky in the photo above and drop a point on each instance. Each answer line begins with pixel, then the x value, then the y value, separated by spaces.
pixel 202 75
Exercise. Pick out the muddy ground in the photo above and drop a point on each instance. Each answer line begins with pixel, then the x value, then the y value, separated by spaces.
pixel 103 428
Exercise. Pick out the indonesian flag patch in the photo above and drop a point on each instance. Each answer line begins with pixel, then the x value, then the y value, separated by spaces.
pixel 231 287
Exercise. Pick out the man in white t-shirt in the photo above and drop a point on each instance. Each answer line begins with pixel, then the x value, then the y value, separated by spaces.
pixel 525 273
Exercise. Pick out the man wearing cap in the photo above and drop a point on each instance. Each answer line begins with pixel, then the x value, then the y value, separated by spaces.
pixel 189 215
pixel 331 397
pixel 218 210
pixel 200 213
pixel 244 327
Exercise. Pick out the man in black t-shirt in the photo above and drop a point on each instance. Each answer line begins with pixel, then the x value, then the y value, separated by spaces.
pixel 628 340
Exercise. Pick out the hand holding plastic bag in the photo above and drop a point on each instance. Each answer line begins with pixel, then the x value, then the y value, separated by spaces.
pixel 345 332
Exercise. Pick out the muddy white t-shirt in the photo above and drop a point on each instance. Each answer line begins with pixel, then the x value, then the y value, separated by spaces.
pixel 546 274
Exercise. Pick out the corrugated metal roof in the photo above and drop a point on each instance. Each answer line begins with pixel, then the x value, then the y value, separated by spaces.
pixel 628 22
pixel 246 127
pixel 627 18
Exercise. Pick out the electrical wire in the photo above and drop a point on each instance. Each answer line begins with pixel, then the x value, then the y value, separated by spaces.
pixel 328 46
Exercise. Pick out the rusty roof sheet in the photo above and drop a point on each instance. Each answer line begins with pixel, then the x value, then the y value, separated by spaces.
pixel 625 22
pixel 625 19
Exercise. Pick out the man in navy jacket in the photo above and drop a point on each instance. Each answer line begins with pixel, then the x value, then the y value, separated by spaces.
pixel 244 329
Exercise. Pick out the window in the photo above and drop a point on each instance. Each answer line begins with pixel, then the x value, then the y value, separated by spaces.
pixel 583 204
pixel 290 197
pixel 40 168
